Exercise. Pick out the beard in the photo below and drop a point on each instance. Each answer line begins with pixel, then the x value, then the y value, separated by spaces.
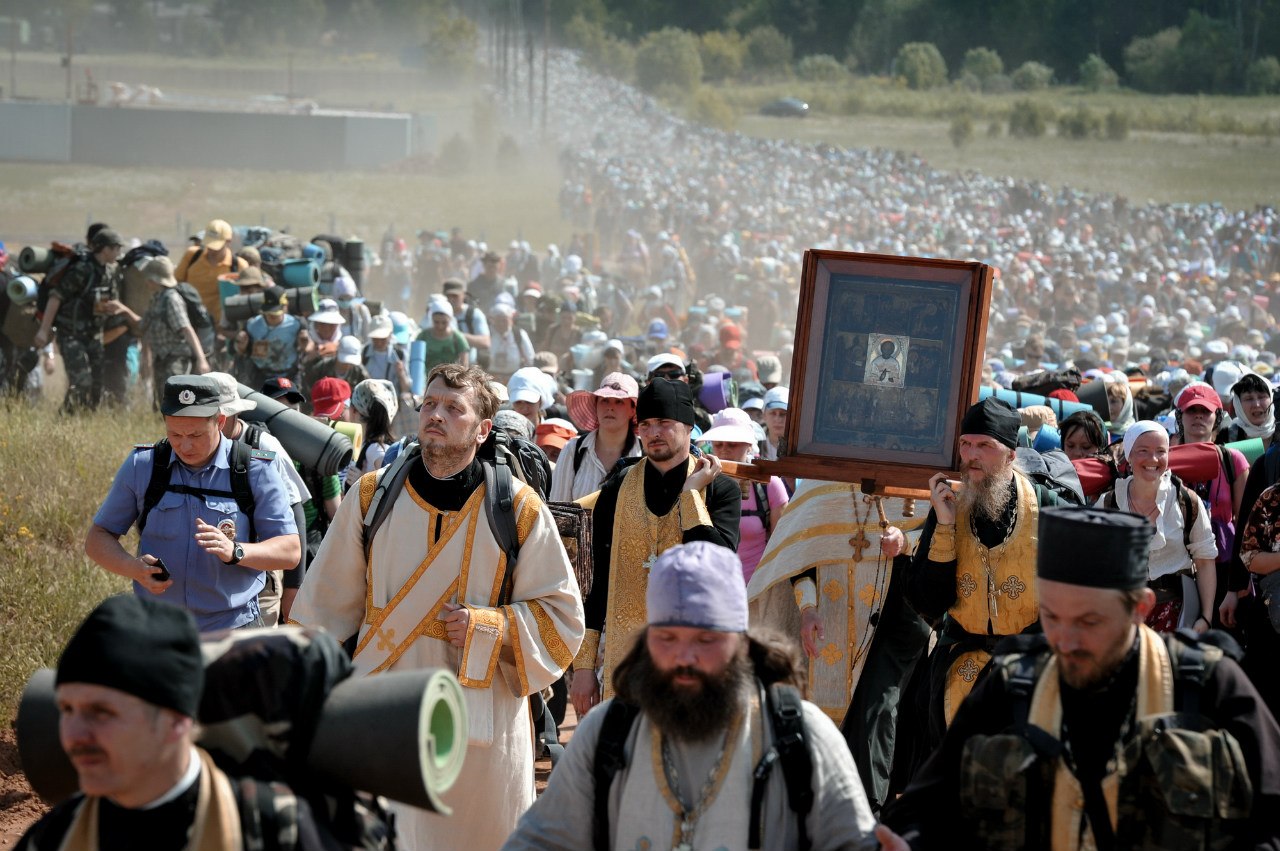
pixel 689 714
pixel 990 495
pixel 439 454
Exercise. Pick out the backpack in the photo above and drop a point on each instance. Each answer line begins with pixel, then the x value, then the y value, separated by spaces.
pixel 68 256
pixel 197 315
pixel 783 705
pixel 762 509
pixel 1052 470
pixel 159 484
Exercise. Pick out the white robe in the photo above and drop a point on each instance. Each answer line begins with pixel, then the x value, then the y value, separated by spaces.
pixel 530 642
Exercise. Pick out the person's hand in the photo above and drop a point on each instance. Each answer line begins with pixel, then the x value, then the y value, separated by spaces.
pixel 111 307
pixel 892 541
pixel 889 840
pixel 47 362
pixel 1201 626
pixel 1227 609
pixel 703 474
pixel 455 623
pixel 213 542
pixel 40 340
pixel 147 573
pixel 584 690
pixel 811 631
pixel 201 365
pixel 943 499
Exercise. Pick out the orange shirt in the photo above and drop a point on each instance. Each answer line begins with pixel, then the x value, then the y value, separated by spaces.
pixel 203 275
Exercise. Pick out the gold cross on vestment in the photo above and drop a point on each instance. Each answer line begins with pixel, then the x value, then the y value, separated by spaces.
pixel 386 639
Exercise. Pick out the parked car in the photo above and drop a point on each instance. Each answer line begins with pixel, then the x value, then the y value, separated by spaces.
pixel 786 108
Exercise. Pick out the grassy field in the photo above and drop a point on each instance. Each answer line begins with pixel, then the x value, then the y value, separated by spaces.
pixel 56 470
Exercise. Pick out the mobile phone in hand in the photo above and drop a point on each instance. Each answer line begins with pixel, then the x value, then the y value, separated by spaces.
pixel 163 575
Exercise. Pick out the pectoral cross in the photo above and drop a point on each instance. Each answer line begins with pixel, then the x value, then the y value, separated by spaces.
pixel 859 542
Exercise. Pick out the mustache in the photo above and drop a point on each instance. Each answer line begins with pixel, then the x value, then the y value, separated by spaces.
pixel 688 672
pixel 85 750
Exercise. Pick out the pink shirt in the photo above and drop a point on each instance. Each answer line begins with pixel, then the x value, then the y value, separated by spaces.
pixel 751 532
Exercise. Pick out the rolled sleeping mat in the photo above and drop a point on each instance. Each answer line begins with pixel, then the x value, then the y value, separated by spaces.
pixel 242 308
pixel 1192 462
pixel 1060 408
pixel 227 288
pixel 308 441
pixel 1251 449
pixel 353 260
pixel 34 259
pixel 717 391
pixel 414 721
pixel 299 272
pixel 418 367
pixel 1094 394
pixel 1047 438
pixel 420 715
pixel 354 433
pixel 22 289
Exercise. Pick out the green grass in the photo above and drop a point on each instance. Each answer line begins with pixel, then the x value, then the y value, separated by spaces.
pixel 57 470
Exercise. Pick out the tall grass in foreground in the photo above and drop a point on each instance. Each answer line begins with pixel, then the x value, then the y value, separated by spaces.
pixel 56 470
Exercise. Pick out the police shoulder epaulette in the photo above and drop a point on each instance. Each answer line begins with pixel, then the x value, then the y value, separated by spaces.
pixel 138 446
pixel 263 454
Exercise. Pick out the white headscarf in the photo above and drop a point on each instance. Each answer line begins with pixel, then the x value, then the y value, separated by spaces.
pixel 1137 430
pixel 1268 425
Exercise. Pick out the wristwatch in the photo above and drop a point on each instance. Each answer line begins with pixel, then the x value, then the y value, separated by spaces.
pixel 237 553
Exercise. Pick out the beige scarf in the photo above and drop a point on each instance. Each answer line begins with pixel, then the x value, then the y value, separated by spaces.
pixel 216 826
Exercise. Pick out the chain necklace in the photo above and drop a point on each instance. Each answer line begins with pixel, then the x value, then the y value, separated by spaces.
pixel 687 820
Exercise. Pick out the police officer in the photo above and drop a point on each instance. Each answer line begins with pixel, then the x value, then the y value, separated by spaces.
pixel 82 299
pixel 213 547
pixel 1101 733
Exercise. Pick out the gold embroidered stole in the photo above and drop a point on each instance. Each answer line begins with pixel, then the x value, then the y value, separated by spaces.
pixel 1071 831
pixel 216 826
pixel 638 534
pixel 996 586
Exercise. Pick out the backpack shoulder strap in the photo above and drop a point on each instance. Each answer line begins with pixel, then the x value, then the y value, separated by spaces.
pixel 1228 465
pixel 252 435
pixel 1189 504
pixel 383 497
pixel 785 708
pixel 579 452
pixel 241 454
pixel 161 455
pixel 499 507
pixel 610 758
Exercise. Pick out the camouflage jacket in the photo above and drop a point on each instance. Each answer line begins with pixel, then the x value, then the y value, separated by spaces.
pixel 79 288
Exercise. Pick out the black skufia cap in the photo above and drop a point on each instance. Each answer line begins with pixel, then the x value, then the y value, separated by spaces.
pixel 1094 547
pixel 995 419
pixel 146 648
pixel 665 399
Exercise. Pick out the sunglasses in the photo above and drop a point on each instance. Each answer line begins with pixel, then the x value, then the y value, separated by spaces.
pixel 670 374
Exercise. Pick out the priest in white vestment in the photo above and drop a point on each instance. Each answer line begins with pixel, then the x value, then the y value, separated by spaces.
pixel 428 597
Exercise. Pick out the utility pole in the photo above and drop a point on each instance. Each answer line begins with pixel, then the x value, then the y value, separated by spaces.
pixel 67 59
pixel 546 51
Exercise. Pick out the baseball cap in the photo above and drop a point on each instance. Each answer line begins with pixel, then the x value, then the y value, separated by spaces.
pixel 106 238
pixel 349 350
pixel 554 432
pixel 274 300
pixel 658 329
pixel 529 384
pixel 229 394
pixel 730 336
pixel 327 312
pixel 216 234
pixel 777 397
pixel 658 361
pixel 190 396
pixel 453 285
pixel 769 368
pixel 380 328
pixel 160 270
pixel 283 388
pixel 1199 394
pixel 329 397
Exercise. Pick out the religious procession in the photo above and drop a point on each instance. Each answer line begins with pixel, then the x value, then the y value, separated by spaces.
pixel 720 528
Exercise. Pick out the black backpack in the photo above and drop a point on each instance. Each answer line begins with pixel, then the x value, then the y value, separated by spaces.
pixel 159 484
pixel 1053 470
pixel 784 706
pixel 197 315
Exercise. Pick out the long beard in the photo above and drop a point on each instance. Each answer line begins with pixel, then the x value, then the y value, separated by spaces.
pixel 989 497
pixel 688 714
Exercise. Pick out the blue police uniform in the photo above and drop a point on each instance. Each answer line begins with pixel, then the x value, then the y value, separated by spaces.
pixel 218 595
